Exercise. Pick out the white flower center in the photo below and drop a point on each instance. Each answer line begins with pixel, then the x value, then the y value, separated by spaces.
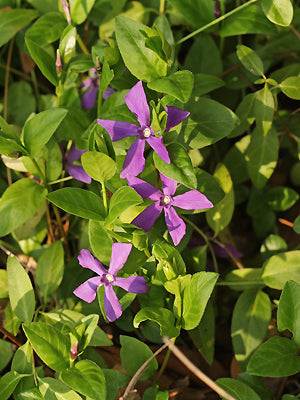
pixel 109 278
pixel 166 200
pixel 146 133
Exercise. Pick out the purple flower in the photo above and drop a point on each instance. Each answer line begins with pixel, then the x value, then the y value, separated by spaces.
pixel 66 8
pixel 87 291
pixel 76 171
pixel 191 200
pixel 92 83
pixel 137 103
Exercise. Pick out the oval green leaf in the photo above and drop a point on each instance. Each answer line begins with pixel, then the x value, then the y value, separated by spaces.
pixel 98 165
pixel 281 268
pixel 291 87
pixel 165 319
pixel 279 12
pixel 178 85
pixel 250 60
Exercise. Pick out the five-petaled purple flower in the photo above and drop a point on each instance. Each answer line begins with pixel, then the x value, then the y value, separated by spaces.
pixel 191 200
pixel 87 291
pixel 137 103
pixel 76 171
pixel 92 83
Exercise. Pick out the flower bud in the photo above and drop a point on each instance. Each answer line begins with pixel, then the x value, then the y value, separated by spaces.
pixel 98 65
pixel 74 350
pixel 217 10
pixel 58 63
pixel 66 8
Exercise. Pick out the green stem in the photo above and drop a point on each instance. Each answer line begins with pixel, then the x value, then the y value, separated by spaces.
pixel 162 7
pixel 60 180
pixel 43 176
pixel 165 363
pixel 100 96
pixel 35 86
pixel 206 241
pixel 147 252
pixel 104 195
pixel 82 45
pixel 62 231
pixel 216 21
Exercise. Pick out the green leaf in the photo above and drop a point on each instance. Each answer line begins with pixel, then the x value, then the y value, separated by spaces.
pixel 133 355
pixel 288 314
pixel 44 61
pixel 47 29
pixel 291 87
pixel 281 268
pixel 12 322
pixel 85 329
pixel 12 21
pixel 235 160
pixel 79 202
pixel 8 383
pixel 98 165
pixel 80 9
pixel 200 286
pixel 178 85
pixel 245 113
pixel 21 294
pixel 170 258
pixel 67 44
pixel 196 12
pixel 100 241
pixel 114 381
pixel 208 123
pixel 296 224
pixel 238 389
pixel 22 361
pixel 279 12
pixel 153 393
pixel 276 357
pixel 50 268
pixel 107 75
pixel 19 202
pixel 220 215
pixel 3 284
pixel 38 130
pixel 162 316
pixel 209 185
pixel 141 61
pixel 204 83
pixel 250 60
pixel 124 198
pixel 261 157
pixel 244 279
pixel 21 103
pixel 250 321
pixel 6 353
pixel 281 198
pixel 264 110
pixel 30 394
pixel 203 335
pixel 50 345
pixel 180 169
pixel 52 389
pixel 86 378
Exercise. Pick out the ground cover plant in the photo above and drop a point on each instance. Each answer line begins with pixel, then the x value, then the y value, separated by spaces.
pixel 149 212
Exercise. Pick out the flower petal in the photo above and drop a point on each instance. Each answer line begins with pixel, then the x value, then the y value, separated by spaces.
pixel 158 146
pixel 119 129
pixel 119 255
pixel 144 189
pixel 133 284
pixel 169 185
pixel 74 154
pixel 86 83
pixel 77 172
pixel 175 116
pixel 134 161
pixel 147 217
pixel 192 200
pixel 87 260
pixel 112 306
pixel 89 98
pixel 87 291
pixel 137 103
pixel 175 225
pixel 109 91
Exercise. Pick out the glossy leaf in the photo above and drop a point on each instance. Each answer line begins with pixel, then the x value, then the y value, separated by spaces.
pixel 12 21
pixel 209 186
pixel 281 198
pixel 196 12
pixel 178 85
pixel 262 156
pixel 6 353
pixel 101 241
pixel 98 165
pixel 220 215
pixel 296 224
pixel 250 321
pixel 3 284
pixel 67 45
pixel 133 355
pixel 124 198
pixel 141 61
pixel 171 259
pixel 21 294
pixel 277 357
pixel 38 130
pixel 279 12
pixel 288 315
pixel 162 316
pixel 8 383
pixel 79 202
pixel 291 87
pixel 238 389
pixel 200 286
pixel 204 83
pixel 244 279
pixel 79 10
pixel 245 113
pixel 281 268
pixel 114 381
pixel 52 389
pixel 50 345
pixel 50 268
pixel 86 378
pixel 47 29
pixel 264 110
pixel 250 60
pixel 22 361
pixel 180 169
pixel 19 202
